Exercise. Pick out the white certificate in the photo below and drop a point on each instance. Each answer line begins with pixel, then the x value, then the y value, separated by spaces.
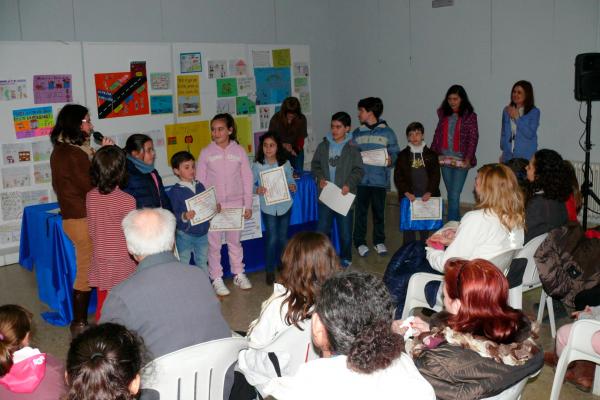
pixel 332 197
pixel 229 219
pixel 274 181
pixel 204 204
pixel 425 210
pixel 378 158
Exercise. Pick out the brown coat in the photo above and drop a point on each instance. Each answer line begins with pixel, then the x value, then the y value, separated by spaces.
pixel 293 134
pixel 70 179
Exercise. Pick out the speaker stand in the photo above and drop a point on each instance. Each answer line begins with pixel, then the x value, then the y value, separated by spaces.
pixel 586 186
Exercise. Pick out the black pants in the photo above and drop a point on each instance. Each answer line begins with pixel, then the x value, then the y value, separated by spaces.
pixel 411 236
pixel 375 197
pixel 588 297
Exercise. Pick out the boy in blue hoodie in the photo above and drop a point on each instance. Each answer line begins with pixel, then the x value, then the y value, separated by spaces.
pixel 337 160
pixel 373 134
pixel 188 238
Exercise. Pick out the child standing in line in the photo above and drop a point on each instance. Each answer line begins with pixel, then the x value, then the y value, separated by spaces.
pixel 224 165
pixel 189 238
pixel 337 160
pixel 373 134
pixel 276 217
pixel 417 172
pixel 106 206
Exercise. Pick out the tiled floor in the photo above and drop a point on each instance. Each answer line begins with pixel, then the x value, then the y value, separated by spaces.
pixel 17 285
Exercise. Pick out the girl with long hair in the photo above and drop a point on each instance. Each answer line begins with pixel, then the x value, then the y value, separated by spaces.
pixel 477 328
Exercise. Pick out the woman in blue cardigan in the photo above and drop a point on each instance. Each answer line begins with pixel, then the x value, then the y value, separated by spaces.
pixel 520 121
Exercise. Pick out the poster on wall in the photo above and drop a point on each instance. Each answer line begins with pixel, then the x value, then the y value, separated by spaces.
pixel 226 105
pixel 273 85
pixel 190 136
pixel 52 89
pixel 188 95
pixel 238 67
pixel 13 89
pixel 161 104
pixel 122 94
pixel 226 87
pixel 301 70
pixel 264 117
pixel 33 122
pixel 282 58
pixel 217 69
pixel 190 62
pixel 244 133
pixel 244 106
pixel 261 58
pixel 14 177
pixel 14 153
pixel 42 150
pixel 10 234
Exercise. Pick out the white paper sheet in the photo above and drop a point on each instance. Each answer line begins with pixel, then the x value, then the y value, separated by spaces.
pixel 377 157
pixel 253 226
pixel 426 210
pixel 229 219
pixel 274 181
pixel 332 197
pixel 204 204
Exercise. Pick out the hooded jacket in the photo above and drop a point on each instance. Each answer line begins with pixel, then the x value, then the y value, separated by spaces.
pixel 379 136
pixel 402 175
pixel 349 166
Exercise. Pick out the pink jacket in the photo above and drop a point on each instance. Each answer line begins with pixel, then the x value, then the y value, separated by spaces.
pixel 228 170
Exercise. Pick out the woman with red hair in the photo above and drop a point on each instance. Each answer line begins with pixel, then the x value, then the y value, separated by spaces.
pixel 479 345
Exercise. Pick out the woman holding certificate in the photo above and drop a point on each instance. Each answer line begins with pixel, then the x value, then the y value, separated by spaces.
pixel 273 181
pixel 224 165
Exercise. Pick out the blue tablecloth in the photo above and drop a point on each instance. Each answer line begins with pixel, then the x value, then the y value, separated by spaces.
pixel 45 246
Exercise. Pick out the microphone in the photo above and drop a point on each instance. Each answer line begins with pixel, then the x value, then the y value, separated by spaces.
pixel 97 137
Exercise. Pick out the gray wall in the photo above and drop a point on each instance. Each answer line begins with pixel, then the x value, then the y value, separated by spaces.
pixel 400 50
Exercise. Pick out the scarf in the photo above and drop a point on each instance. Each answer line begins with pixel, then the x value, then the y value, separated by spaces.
pixel 140 165
pixel 456 147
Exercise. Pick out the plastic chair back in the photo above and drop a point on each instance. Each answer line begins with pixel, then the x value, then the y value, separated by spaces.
pixel 579 347
pixel 195 372
pixel 531 277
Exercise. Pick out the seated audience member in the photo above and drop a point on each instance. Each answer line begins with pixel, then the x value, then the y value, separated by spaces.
pixel 574 202
pixel 479 345
pixel 143 180
pixel 493 228
pixel 580 373
pixel 362 357
pixel 25 372
pixel 549 187
pixel 104 362
pixel 307 261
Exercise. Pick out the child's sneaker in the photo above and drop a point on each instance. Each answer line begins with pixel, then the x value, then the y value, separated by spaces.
pixel 363 250
pixel 241 281
pixel 220 288
pixel 381 249
pixel 346 263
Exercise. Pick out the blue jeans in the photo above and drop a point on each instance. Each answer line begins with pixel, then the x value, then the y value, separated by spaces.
pixel 454 179
pixel 297 161
pixel 276 232
pixel 188 244
pixel 344 225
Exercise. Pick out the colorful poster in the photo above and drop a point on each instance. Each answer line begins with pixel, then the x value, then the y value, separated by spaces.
pixel 42 173
pixel 52 89
pixel 244 106
pixel 13 89
pixel 282 58
pixel 244 133
pixel 188 95
pixel 190 62
pixel 246 87
pixel 273 85
pixel 264 117
pixel 160 80
pixel 261 58
pixel 33 122
pixel 161 104
pixel 301 69
pixel 217 69
pixel 257 136
pixel 304 99
pixel 226 105
pixel 13 153
pixel 226 87
pixel 191 136
pixel 42 150
pixel 238 67
pixel 301 85
pixel 122 94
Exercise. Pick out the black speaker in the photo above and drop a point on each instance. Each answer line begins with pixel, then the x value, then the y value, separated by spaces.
pixel 587 77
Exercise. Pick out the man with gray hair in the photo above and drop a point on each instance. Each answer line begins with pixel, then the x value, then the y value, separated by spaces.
pixel 171 305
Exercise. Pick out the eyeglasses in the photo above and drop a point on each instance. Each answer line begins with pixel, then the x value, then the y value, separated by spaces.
pixel 89 121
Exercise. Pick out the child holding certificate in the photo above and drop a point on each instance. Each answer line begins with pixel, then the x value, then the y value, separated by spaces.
pixel 276 216
pixel 224 165
pixel 189 238
pixel 338 161
pixel 417 173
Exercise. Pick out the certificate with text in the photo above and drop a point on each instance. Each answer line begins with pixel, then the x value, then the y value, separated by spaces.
pixel 426 210
pixel 274 181
pixel 378 158
pixel 204 204
pixel 229 219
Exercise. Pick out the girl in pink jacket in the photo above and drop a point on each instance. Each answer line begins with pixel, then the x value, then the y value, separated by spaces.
pixel 224 165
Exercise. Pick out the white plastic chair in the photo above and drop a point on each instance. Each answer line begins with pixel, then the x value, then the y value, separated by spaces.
pixel 531 277
pixel 195 372
pixel 415 295
pixel 579 347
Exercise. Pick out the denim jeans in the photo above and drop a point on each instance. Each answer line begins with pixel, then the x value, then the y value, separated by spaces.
pixel 188 244
pixel 454 179
pixel 344 225
pixel 276 233
pixel 375 197
pixel 297 161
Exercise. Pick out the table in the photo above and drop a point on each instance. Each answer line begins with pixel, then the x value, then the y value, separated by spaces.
pixel 47 250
